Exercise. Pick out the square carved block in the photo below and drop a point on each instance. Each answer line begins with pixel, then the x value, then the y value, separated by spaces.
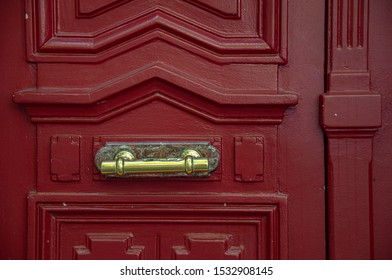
pixel 249 159
pixel 65 158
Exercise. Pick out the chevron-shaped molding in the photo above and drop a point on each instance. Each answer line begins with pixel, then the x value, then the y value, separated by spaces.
pixel 157 82
pixel 90 31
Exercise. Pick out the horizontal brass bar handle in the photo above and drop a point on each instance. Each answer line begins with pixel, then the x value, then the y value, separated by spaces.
pixel 125 165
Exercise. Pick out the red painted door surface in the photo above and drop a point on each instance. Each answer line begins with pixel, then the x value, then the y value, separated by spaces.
pixel 265 115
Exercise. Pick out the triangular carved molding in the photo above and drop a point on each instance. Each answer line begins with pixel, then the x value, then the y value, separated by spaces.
pixel 156 82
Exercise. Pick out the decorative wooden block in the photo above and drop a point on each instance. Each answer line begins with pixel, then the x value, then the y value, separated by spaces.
pixel 101 246
pixel 249 159
pixel 213 245
pixel 351 111
pixel 65 158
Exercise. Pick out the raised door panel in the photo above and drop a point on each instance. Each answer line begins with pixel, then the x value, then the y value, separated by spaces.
pixel 195 45
pixel 92 31
pixel 125 229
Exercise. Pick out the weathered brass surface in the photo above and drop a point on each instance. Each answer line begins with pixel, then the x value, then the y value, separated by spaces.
pixel 157 159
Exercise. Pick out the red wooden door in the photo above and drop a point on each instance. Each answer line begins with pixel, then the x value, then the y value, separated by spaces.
pixel 236 81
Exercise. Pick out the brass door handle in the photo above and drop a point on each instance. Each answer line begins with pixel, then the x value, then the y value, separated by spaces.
pixel 144 160
pixel 125 164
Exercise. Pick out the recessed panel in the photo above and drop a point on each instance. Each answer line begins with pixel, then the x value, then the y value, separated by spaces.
pixel 118 230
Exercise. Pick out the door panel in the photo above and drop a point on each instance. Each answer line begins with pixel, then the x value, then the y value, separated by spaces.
pixel 84 141
pixel 165 228
pixel 86 31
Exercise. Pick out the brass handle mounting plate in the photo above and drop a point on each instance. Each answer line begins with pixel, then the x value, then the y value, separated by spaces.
pixel 146 160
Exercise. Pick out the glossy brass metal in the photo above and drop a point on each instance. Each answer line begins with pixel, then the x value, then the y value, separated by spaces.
pixel 123 161
pixel 121 166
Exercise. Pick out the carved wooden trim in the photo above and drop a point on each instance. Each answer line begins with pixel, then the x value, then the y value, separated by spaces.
pixel 142 43
pixel 350 115
pixel 348 45
pixel 158 82
pixel 127 25
pixel 350 226
pixel 217 245
pixel 97 245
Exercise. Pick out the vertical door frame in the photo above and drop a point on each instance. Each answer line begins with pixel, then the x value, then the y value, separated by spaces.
pixel 350 115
